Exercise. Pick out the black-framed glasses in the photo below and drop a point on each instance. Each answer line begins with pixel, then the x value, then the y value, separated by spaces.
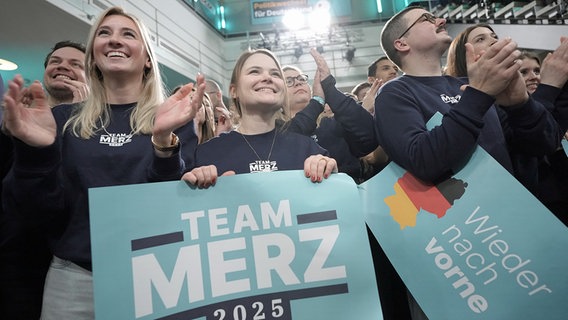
pixel 302 78
pixel 426 16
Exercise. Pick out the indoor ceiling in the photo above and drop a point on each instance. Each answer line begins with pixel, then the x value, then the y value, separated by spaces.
pixel 30 28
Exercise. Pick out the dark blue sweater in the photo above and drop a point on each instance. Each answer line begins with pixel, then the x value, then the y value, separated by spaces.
pixel 404 106
pixel 330 135
pixel 271 151
pixel 51 183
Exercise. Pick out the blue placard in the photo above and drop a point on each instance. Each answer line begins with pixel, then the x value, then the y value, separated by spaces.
pixel 255 246
pixel 477 246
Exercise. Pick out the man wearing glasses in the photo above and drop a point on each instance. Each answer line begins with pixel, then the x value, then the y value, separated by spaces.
pixel 415 40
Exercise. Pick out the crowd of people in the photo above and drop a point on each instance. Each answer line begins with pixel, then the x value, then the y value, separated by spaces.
pixel 105 119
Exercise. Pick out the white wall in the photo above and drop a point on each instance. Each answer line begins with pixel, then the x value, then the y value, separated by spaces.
pixel 186 44
pixel 541 37
pixel 182 41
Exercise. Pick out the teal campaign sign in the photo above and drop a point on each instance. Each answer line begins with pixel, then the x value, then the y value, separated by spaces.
pixel 476 246
pixel 254 246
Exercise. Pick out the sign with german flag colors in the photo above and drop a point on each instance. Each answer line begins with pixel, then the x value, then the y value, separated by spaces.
pixel 477 246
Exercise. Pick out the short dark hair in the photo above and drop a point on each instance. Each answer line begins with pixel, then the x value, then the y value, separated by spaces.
pixel 372 68
pixel 360 87
pixel 391 31
pixel 63 44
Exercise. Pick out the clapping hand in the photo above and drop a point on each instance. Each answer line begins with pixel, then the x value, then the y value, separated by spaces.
pixel 177 110
pixel 27 115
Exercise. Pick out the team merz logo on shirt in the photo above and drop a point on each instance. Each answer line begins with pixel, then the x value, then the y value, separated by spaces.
pixel 448 99
pixel 263 166
pixel 115 139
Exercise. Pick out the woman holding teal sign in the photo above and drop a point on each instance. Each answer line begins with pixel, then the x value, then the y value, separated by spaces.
pixel 122 134
pixel 258 144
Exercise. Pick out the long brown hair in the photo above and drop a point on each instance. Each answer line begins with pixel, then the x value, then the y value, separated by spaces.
pixel 237 70
pixel 456 65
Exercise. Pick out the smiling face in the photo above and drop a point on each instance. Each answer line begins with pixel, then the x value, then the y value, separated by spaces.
pixel 300 93
pixel 530 69
pixel 64 63
pixel 258 85
pixel 481 38
pixel 118 47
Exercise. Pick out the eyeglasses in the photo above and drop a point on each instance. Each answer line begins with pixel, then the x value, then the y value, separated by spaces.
pixel 426 16
pixel 302 78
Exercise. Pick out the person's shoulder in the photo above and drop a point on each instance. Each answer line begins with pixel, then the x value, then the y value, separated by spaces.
pixel 459 80
pixel 64 111
pixel 397 86
pixel 294 140
pixel 223 139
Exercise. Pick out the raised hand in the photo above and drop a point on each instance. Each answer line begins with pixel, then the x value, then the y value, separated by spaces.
pixel 369 98
pixel 317 89
pixel 80 89
pixel 27 115
pixel 323 68
pixel 515 93
pixel 494 69
pixel 554 69
pixel 224 122
pixel 177 110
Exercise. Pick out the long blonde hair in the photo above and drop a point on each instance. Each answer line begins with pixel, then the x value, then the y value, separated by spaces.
pixel 84 121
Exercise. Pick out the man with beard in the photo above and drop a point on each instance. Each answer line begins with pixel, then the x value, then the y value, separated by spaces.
pixel 24 253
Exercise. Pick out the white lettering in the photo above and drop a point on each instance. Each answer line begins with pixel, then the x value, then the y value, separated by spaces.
pixel 316 270
pixel 193 225
pixel 219 267
pixel 279 263
pixel 147 272
pixel 215 222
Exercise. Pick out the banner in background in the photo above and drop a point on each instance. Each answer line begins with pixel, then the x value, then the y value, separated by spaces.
pixel 254 246
pixel 272 11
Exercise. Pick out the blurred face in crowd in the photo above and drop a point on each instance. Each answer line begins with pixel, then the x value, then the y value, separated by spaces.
pixel 530 70
pixel 386 70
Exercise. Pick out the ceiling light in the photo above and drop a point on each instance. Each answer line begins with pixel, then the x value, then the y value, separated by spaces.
pixel 319 20
pixel 294 20
pixel 7 65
